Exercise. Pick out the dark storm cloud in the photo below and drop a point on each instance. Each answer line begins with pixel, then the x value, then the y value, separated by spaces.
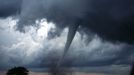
pixel 9 7
pixel 112 19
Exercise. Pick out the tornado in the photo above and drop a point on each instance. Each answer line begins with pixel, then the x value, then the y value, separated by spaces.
pixel 70 37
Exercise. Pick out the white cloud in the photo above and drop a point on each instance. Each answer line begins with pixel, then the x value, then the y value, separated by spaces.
pixel 26 45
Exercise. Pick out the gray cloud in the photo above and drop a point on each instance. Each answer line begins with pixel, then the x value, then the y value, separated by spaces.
pixel 102 17
pixel 9 8
pixel 109 19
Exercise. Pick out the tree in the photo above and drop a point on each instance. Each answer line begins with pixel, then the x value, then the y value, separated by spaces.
pixel 17 71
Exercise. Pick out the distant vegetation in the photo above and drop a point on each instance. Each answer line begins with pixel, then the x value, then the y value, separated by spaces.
pixel 17 71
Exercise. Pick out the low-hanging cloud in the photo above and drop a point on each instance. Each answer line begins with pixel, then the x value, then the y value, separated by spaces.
pixel 111 20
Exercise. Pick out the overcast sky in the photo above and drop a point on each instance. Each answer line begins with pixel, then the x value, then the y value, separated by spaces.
pixel 33 34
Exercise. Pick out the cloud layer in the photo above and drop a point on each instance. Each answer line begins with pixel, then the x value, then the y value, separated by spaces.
pixel 36 50
pixel 112 20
